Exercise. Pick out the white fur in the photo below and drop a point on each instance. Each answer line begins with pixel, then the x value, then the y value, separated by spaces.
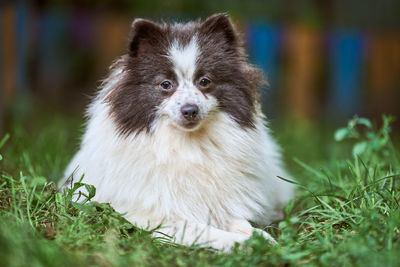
pixel 204 186
pixel 184 60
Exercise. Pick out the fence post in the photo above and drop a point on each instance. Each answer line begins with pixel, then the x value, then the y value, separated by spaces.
pixel 264 46
pixel 346 56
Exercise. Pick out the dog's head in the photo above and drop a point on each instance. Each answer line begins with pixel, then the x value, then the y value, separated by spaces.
pixel 184 73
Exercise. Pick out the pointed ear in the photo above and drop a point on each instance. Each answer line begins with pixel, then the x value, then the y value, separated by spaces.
pixel 221 26
pixel 145 34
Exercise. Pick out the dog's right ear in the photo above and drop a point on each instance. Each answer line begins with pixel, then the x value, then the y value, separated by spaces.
pixel 145 34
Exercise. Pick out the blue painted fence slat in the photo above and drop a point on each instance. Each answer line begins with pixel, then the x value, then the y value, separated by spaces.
pixel 346 65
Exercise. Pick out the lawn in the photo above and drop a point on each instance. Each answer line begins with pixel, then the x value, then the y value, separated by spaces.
pixel 346 210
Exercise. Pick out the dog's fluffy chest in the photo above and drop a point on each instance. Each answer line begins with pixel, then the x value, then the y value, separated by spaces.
pixel 211 175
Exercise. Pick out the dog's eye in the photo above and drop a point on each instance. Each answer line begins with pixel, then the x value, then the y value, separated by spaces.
pixel 166 85
pixel 204 82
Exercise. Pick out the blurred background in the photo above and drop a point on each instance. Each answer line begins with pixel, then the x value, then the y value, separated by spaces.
pixel 325 60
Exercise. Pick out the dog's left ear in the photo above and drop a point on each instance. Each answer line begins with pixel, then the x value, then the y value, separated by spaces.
pixel 220 25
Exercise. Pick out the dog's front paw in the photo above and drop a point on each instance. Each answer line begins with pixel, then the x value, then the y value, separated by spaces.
pixel 228 240
pixel 244 227
pixel 265 235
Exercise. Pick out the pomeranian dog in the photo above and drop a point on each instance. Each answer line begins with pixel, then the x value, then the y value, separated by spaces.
pixel 176 139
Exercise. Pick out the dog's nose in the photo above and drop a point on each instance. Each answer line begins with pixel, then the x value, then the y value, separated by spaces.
pixel 190 111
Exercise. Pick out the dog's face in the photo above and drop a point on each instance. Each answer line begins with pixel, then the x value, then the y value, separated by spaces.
pixel 188 101
pixel 184 73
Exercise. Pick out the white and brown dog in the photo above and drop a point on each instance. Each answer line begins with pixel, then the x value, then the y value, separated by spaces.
pixel 175 136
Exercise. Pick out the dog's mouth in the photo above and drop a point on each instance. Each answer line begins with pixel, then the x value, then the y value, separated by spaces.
pixel 190 125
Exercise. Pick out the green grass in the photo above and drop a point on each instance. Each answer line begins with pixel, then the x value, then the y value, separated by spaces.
pixel 346 211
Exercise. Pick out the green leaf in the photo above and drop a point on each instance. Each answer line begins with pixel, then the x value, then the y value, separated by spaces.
pixel 359 148
pixel 38 180
pixel 296 256
pixel 59 198
pixel 4 140
pixel 341 134
pixel 75 188
pixel 78 206
pixel 365 122
pixel 282 224
pixel 289 207
pixel 91 191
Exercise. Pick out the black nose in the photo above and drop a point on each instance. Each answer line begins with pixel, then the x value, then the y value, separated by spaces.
pixel 190 111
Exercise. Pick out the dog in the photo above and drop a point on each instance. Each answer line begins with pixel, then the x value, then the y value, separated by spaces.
pixel 175 137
